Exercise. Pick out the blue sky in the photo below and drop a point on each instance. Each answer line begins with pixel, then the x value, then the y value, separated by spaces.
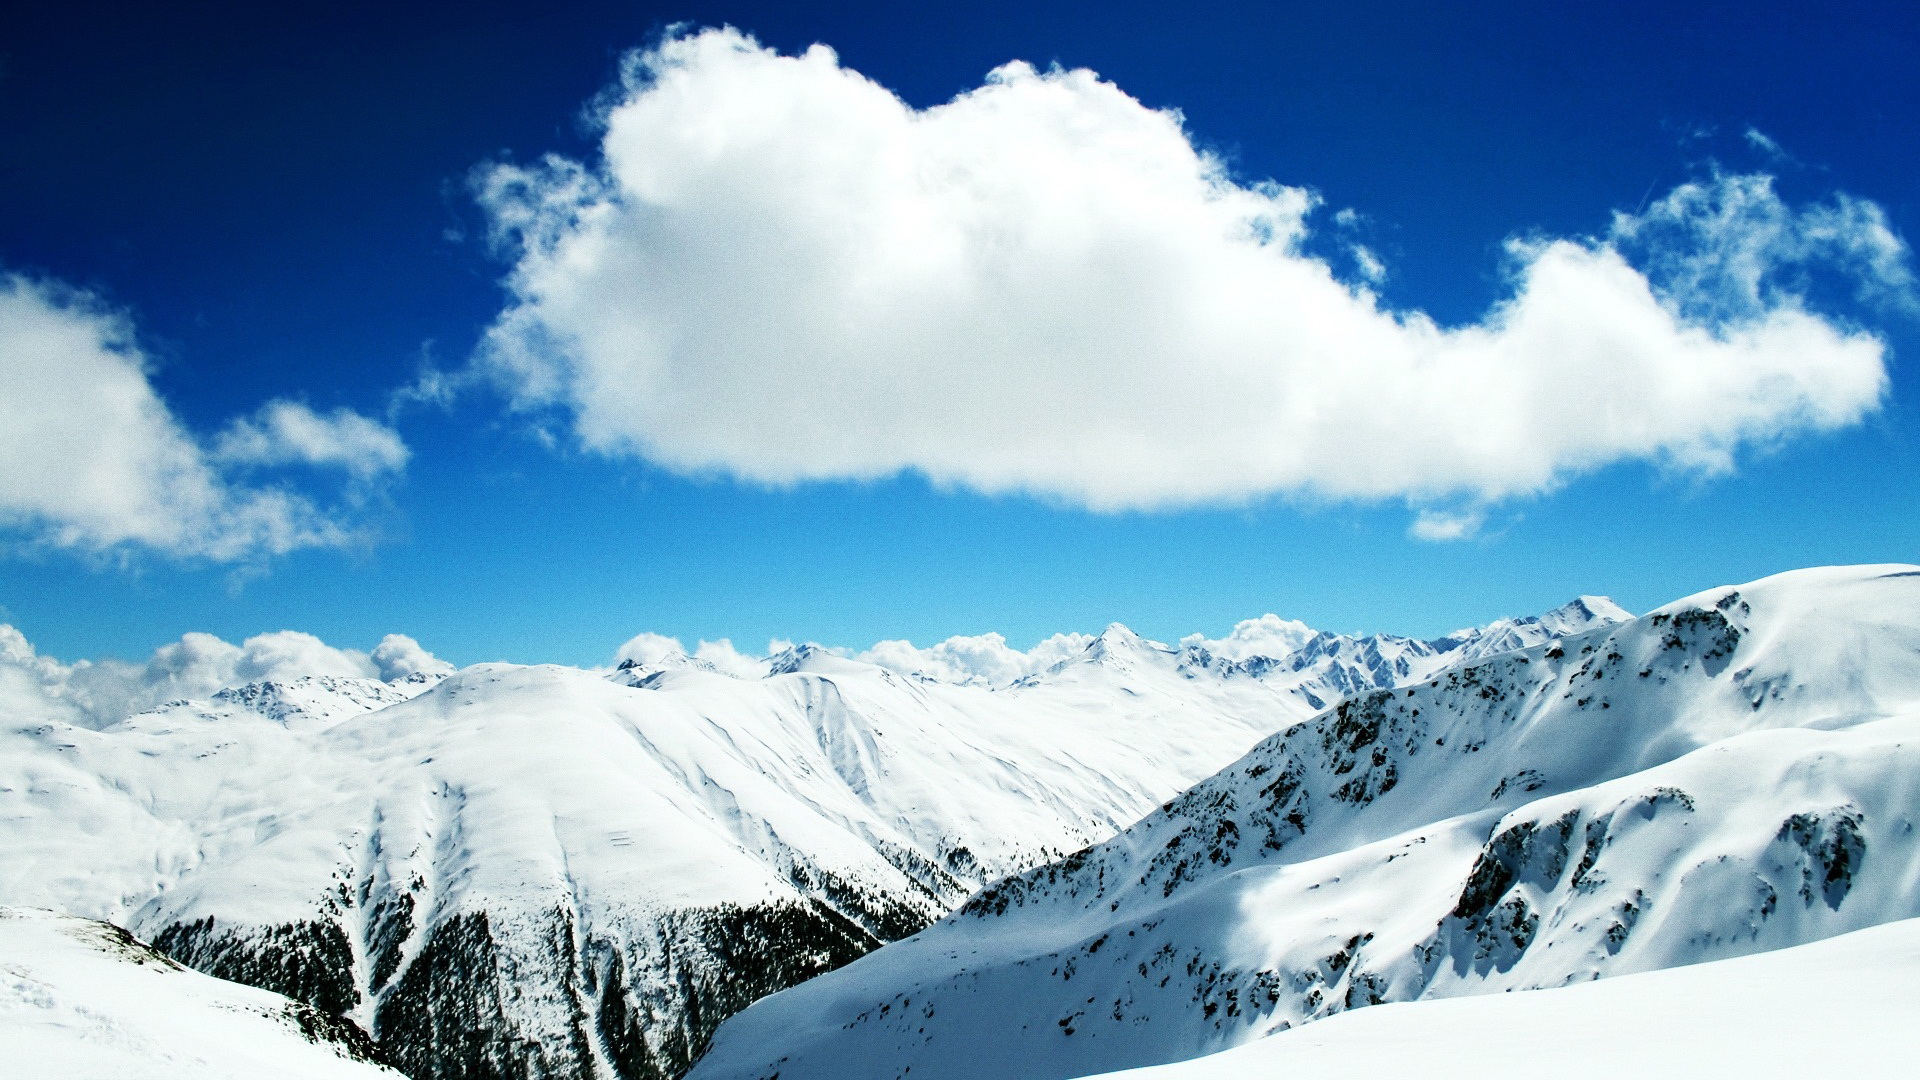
pixel 288 206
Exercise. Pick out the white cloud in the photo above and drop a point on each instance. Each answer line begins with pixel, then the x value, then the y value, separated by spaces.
pixel 33 687
pixel 724 657
pixel 195 666
pixel 648 649
pixel 1442 526
pixel 289 654
pixel 1730 251
pixel 286 432
pixel 92 459
pixel 1370 265
pixel 398 656
pixel 1268 635
pixel 984 660
pixel 781 272
pixel 96 693
pixel 1761 142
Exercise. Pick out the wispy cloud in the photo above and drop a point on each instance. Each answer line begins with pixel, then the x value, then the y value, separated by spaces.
pixel 287 432
pixel 1444 526
pixel 1761 142
pixel 92 459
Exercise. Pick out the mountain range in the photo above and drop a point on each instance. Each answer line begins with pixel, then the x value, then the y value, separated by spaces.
pixel 558 872
pixel 822 864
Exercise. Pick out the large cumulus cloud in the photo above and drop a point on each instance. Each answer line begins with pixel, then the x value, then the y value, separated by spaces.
pixel 777 270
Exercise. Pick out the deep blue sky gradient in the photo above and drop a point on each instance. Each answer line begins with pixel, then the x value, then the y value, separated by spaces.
pixel 278 197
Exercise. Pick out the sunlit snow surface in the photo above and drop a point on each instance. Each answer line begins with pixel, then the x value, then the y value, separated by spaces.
pixel 539 833
pixel 1844 1006
pixel 80 1001
pixel 1736 772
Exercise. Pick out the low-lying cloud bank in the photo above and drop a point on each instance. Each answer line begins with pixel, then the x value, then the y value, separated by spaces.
pixel 970 660
pixel 92 459
pixel 96 693
pixel 983 659
pixel 652 650
pixel 777 270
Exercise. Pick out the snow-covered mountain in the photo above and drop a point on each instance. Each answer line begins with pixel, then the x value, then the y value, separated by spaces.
pixel 1323 667
pixel 1736 772
pixel 545 871
pixel 83 1000
pixel 308 700
pixel 1839 1007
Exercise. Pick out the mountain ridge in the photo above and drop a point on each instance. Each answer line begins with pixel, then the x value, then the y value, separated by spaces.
pixel 1525 811
pixel 598 865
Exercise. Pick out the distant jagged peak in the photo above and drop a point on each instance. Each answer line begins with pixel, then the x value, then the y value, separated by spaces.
pixel 1262 639
pixel 421 680
pixel 814 659
pixel 634 672
pixel 1577 616
pixel 1587 611
pixel 645 653
pixel 302 702
pixel 1337 664
pixel 792 659
pixel 1118 640
pixel 1254 648
pixel 648 654
pixel 1117 648
pixel 321 698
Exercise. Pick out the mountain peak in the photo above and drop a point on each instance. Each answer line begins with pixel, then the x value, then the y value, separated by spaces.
pixel 813 659
pixel 637 670
pixel 1584 613
pixel 1118 641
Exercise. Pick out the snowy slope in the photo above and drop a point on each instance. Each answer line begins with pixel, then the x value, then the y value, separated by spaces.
pixel 543 871
pixel 81 1000
pixel 1839 1007
pixel 1733 773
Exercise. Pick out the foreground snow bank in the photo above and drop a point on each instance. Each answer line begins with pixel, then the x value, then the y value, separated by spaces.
pixel 82 999
pixel 1839 1007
